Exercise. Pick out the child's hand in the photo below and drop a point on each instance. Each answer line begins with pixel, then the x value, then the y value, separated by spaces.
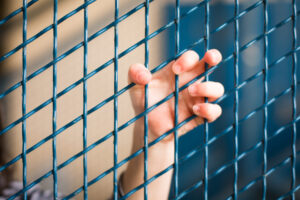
pixel 191 100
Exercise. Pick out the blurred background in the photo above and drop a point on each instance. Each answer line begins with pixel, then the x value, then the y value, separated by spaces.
pixel 161 48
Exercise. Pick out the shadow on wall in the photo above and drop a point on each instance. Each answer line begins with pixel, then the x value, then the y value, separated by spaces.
pixel 5 176
pixel 221 152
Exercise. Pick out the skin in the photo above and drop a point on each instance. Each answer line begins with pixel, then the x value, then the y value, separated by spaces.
pixel 191 102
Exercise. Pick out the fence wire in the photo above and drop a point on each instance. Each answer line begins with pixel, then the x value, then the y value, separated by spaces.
pixel 238 85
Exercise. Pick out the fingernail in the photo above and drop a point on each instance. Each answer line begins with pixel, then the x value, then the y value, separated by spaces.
pixel 196 109
pixel 176 68
pixel 192 90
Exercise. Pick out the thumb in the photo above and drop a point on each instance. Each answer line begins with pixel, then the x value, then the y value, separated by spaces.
pixel 139 74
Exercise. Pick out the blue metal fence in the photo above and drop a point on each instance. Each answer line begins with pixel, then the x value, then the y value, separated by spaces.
pixel 238 84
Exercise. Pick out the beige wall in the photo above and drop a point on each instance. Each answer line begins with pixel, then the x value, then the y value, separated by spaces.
pixel 69 70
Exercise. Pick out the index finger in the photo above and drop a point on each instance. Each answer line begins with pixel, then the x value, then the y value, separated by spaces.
pixel 189 61
pixel 185 62
pixel 212 57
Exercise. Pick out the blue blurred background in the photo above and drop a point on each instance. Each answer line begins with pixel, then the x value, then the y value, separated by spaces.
pixel 251 96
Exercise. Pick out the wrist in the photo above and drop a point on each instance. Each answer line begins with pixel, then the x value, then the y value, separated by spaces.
pixel 139 132
pixel 160 156
pixel 161 152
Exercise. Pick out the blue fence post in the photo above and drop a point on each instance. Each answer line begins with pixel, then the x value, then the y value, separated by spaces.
pixel 206 127
pixel 85 70
pixel 294 98
pixel 24 69
pixel 146 101
pixel 176 144
pixel 54 105
pixel 236 98
pixel 116 61
pixel 266 95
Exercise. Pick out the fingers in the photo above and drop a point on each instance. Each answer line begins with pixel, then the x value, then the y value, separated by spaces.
pixel 208 111
pixel 190 60
pixel 139 74
pixel 212 57
pixel 210 89
pixel 185 62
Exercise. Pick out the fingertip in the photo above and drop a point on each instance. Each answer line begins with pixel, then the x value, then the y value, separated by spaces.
pixel 213 57
pixel 219 110
pixel 208 111
pixel 185 62
pixel 222 89
pixel 139 74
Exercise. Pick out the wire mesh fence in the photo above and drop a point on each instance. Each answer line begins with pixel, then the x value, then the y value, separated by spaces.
pixel 237 151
